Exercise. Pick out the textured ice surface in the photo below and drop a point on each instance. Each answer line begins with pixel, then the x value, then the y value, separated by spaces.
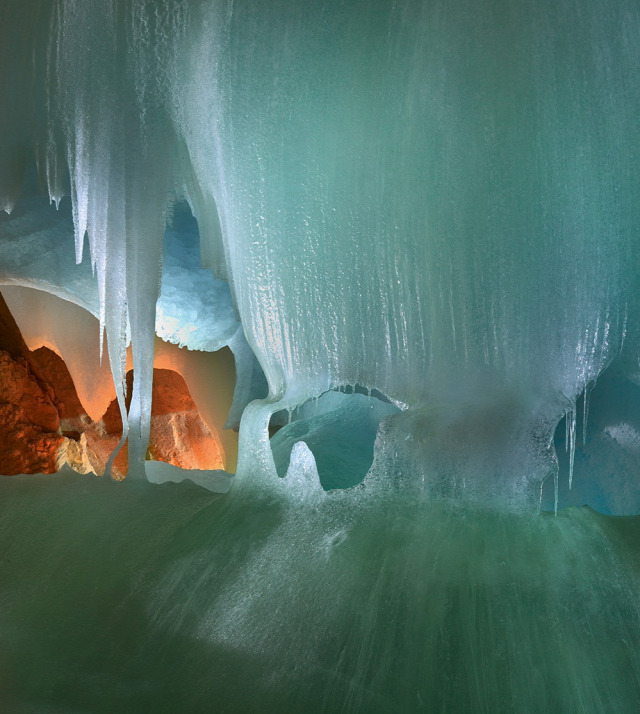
pixel 420 198
pixel 37 250
pixel 607 462
pixel 194 308
pixel 373 603
pixel 435 199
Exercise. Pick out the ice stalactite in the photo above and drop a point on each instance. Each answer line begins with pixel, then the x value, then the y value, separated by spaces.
pixel 95 102
pixel 435 203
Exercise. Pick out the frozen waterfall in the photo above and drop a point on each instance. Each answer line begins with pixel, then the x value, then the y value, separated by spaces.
pixel 438 203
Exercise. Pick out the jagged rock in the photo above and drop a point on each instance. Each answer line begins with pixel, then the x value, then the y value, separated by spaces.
pixel 29 422
pixel 52 370
pixel 79 456
pixel 19 387
pixel 179 436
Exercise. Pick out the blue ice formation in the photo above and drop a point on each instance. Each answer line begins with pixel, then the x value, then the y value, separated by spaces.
pixel 435 201
pixel 194 308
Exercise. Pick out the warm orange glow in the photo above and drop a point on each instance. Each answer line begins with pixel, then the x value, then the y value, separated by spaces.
pixel 179 436
pixel 210 379
pixel 44 321
pixel 192 391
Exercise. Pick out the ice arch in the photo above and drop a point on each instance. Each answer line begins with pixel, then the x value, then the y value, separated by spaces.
pixel 339 430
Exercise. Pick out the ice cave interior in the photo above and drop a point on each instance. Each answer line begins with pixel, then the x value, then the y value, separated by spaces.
pixel 319 356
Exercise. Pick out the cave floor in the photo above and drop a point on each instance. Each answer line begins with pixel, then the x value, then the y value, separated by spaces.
pixel 140 598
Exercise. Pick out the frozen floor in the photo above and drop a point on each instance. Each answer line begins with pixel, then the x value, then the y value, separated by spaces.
pixel 139 598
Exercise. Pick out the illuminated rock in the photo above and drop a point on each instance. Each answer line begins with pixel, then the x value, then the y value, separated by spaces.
pixel 43 424
pixel 29 422
pixel 179 436
pixel 52 370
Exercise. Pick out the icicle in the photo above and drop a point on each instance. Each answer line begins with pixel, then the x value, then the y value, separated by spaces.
pixel 539 497
pixel 585 415
pixel 572 444
pixel 101 347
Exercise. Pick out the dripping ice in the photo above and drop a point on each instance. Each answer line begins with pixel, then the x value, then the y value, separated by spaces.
pixel 364 217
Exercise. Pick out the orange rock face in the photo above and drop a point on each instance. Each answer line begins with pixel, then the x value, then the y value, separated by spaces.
pixel 43 424
pixel 29 422
pixel 52 370
pixel 178 436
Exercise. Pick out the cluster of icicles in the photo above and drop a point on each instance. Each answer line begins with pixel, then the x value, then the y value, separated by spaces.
pixel 412 198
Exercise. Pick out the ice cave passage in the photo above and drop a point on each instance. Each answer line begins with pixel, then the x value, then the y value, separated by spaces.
pixel 319 356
